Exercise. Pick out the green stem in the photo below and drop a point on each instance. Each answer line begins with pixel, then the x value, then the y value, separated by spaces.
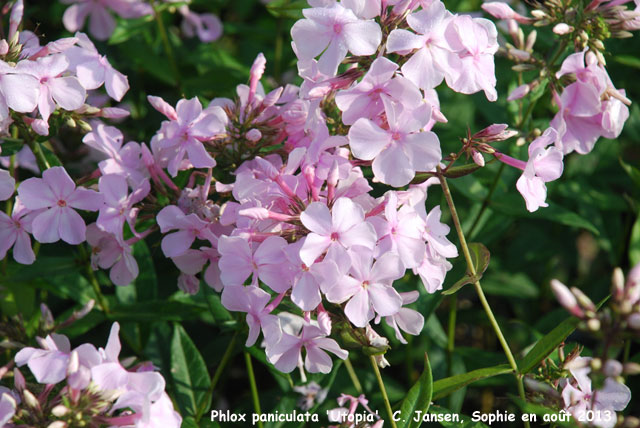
pixel 385 397
pixel 353 376
pixel 216 376
pixel 42 161
pixel 451 332
pixel 487 199
pixel 481 296
pixel 167 48
pixel 102 302
pixel 254 388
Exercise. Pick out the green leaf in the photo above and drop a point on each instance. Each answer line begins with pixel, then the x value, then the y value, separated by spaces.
pixel 513 205
pixel 632 171
pixel 11 146
pixel 287 8
pixel 127 28
pixel 418 399
pixel 539 90
pixel 509 284
pixel 156 310
pixel 628 60
pixel 547 344
pixel 480 257
pixel 189 372
pixel 146 283
pixel 444 387
pixel 51 157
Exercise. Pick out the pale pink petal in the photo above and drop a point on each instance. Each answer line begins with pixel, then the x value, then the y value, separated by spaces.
pixel 67 92
pixel 317 218
pixel 22 252
pixel 75 16
pixel 177 243
pixel 385 299
pixel 314 245
pixel 101 23
pixel 367 139
pixel 358 309
pixel 362 37
pixel 71 226
pixel 115 83
pixel 46 226
pixel 85 199
pixel 393 167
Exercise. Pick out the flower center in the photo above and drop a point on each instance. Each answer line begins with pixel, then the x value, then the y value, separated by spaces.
pixel 396 136
pixel 337 28
pixel 62 203
pixel 334 236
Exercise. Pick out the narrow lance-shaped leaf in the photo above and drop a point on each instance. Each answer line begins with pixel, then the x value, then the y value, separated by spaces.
pixel 418 399
pixel 480 257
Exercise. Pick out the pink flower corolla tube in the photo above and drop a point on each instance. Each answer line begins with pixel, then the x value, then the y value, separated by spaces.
pixel 364 99
pixel 286 354
pixel 55 89
pixel 400 151
pixel 332 32
pixel 101 23
pixel 589 108
pixel 343 226
pixel 186 131
pixel 14 232
pixel 93 70
pixel 58 196
pixel 579 397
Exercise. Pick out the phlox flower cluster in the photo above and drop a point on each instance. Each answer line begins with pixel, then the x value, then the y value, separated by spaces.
pixel 99 14
pixel 90 384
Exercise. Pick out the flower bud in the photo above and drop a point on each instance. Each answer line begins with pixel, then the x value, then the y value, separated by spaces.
pixel 519 92
pixel 253 135
pixel 531 40
pixel 617 283
pixel 566 298
pixel 477 157
pixel 634 321
pixel 584 301
pixel 562 29
pixel 520 54
pixel 57 424
pixel 47 317
pixel 19 382
pixel 59 411
pixel 612 368
pixel 631 369
pixel 539 14
pixel 4 47
pixel 596 364
pixel 30 400
pixel 593 324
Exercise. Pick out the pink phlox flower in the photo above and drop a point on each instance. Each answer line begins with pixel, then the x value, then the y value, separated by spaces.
pixel 436 234
pixel 472 69
pixel 7 184
pixel 56 362
pixel 141 387
pixel 55 89
pixel 124 160
pixel 255 302
pixel 111 251
pixel 400 231
pixel 583 115
pixel 544 165
pixel 192 262
pixel 401 150
pixel 432 270
pixel 101 23
pixel 189 227
pixel 268 263
pixel 57 192
pixel 579 398
pixel 364 99
pixel 307 281
pixel 119 204
pixel 8 405
pixel 161 413
pixel 287 353
pixel 332 32
pixel 93 70
pixel 368 288
pixel 431 51
pixel 344 225
pixel 206 26
pixel 188 128
pixel 19 91
pixel 14 232
pixel 407 320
